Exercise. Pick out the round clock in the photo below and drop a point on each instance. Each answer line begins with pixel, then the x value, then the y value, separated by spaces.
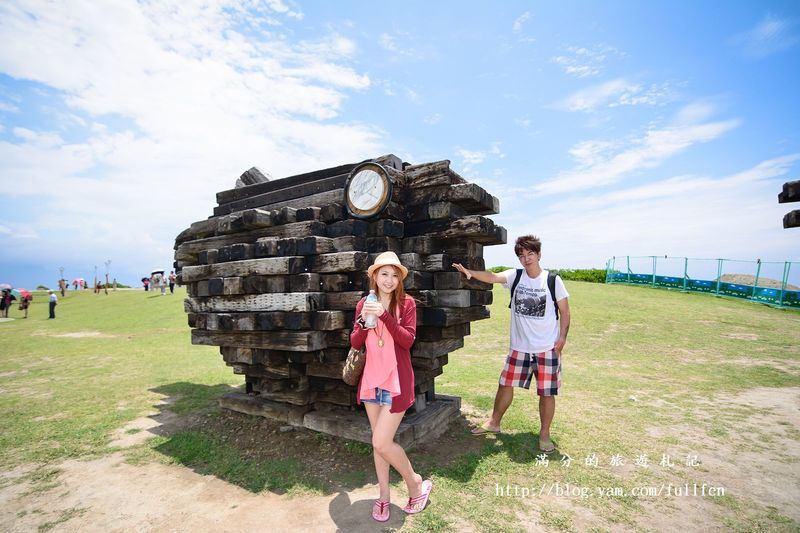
pixel 368 190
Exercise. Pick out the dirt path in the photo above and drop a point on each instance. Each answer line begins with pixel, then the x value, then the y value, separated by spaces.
pixel 109 495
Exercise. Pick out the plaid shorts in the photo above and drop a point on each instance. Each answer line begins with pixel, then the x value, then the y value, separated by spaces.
pixel 520 367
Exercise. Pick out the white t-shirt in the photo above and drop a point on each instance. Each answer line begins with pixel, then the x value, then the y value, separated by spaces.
pixel 534 327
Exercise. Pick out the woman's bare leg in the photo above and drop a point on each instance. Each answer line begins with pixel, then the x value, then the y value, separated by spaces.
pixel 383 443
pixel 381 464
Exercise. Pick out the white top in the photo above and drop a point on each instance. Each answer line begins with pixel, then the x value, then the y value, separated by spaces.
pixel 534 327
pixel 53 297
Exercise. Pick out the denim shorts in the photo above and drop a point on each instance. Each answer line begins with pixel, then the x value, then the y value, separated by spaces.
pixel 382 397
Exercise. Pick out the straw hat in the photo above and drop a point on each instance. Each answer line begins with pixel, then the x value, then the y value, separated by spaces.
pixel 387 258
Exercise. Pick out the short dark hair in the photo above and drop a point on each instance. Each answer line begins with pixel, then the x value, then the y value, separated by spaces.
pixel 528 242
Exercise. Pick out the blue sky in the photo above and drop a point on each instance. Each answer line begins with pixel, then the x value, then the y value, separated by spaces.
pixel 605 128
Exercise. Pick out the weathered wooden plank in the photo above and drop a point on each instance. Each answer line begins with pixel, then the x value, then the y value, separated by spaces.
pixel 332 212
pixel 336 283
pixel 338 339
pixel 315 245
pixel 435 211
pixel 423 245
pixel 314 200
pixel 431 174
pixel 263 266
pixel 473 227
pixel 275 320
pixel 431 349
pixel 343 300
pixel 456 280
pixel 434 316
pixel 357 228
pixel 306 282
pixel 257 218
pixel 349 243
pixel 258 406
pixel 284 215
pixel 417 280
pixel 232 286
pixel 297 229
pixel 231 195
pixel 425 363
pixel 385 228
pixel 293 397
pixel 469 196
pixel 791 219
pixel 308 213
pixel 331 320
pixel 234 354
pixel 285 195
pixel 298 301
pixel 339 262
pixel 435 333
pixel 197 230
pixel 326 370
pixel 436 262
pixel 384 244
pixel 255 284
pixel 295 341
pixel 790 192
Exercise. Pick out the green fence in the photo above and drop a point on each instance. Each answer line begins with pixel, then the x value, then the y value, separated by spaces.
pixel 770 282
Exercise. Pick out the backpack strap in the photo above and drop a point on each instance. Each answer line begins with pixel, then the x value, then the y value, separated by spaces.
pixel 514 286
pixel 551 284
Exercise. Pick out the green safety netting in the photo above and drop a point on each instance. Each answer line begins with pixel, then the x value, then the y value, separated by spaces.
pixel 770 282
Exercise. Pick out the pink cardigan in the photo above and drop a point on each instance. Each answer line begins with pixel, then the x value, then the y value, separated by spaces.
pixel 403 332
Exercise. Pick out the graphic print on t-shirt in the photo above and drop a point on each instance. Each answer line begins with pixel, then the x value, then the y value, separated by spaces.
pixel 530 302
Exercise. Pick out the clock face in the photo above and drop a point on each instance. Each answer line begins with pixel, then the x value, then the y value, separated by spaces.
pixel 368 190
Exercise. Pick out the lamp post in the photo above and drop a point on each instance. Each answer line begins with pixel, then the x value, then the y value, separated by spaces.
pixel 108 262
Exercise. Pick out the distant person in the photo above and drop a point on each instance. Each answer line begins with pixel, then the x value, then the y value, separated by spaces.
pixel 172 278
pixel 75 284
pixel 115 283
pixel 53 304
pixel 24 304
pixel 537 335
pixel 62 286
pixel 5 302
pixel 146 283
pixel 163 284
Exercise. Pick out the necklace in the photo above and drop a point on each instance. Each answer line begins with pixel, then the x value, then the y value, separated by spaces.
pixel 380 336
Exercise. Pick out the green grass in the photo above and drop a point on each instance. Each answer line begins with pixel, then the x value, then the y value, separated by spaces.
pixel 640 364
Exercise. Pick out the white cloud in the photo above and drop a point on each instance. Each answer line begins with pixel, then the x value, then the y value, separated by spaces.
pixel 601 163
pixel 735 216
pixel 433 119
pixel 771 35
pixel 523 122
pixel 8 108
pixel 472 158
pixel 204 101
pixel 615 93
pixel 520 21
pixel 386 42
pixel 584 62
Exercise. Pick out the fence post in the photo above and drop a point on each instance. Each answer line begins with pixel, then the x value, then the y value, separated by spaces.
pixel 629 268
pixel 786 266
pixel 755 282
pixel 685 271
pixel 654 271
pixel 719 273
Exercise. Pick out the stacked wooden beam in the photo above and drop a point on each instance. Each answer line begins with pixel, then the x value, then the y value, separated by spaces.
pixel 790 193
pixel 274 276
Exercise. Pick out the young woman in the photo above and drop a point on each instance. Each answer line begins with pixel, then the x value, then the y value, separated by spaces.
pixel 387 384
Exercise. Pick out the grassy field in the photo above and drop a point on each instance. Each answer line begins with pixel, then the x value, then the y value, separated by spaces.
pixel 711 383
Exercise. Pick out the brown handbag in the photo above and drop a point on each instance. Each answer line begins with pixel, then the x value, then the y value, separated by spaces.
pixel 354 366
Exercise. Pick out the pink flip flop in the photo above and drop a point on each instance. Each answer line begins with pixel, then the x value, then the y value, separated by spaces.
pixel 416 505
pixel 380 511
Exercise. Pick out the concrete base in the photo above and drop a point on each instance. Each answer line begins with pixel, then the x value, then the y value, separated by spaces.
pixel 354 425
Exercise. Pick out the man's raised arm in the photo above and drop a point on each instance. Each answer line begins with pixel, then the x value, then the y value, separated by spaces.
pixel 481 275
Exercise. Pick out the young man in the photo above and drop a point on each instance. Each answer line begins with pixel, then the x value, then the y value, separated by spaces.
pixel 538 336
pixel 53 303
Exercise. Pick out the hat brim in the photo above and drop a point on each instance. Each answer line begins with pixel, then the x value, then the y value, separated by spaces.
pixel 403 270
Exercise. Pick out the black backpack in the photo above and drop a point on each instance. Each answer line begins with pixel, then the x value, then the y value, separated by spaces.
pixel 551 284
